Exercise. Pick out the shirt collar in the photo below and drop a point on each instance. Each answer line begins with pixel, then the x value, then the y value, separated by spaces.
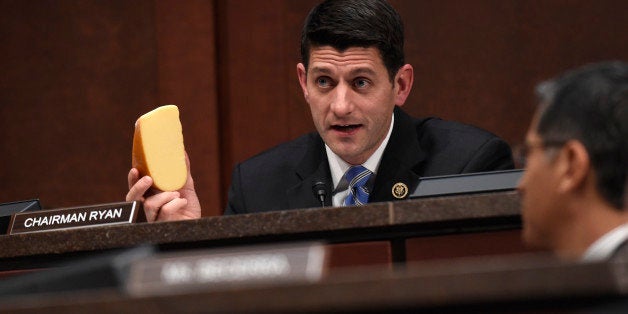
pixel 604 247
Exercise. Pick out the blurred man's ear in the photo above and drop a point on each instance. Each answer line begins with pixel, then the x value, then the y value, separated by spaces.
pixel 574 166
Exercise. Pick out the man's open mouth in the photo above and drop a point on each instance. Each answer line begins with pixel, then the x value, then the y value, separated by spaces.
pixel 345 127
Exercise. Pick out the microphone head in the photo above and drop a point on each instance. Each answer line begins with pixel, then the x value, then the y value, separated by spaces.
pixel 320 190
pixel 318 187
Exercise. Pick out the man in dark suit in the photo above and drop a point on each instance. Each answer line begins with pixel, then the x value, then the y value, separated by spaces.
pixel 366 149
pixel 417 147
pixel 574 188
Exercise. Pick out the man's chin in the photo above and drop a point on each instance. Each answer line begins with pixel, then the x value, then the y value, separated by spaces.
pixel 534 240
pixel 348 155
pixel 343 148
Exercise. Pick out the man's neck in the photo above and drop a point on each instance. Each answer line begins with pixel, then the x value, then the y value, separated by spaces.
pixel 593 221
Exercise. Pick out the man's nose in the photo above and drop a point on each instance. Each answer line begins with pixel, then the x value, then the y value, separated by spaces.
pixel 341 103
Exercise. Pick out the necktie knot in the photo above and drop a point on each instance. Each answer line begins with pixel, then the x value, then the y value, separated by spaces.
pixel 357 176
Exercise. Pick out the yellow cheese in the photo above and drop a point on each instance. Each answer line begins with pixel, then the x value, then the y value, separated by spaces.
pixel 158 149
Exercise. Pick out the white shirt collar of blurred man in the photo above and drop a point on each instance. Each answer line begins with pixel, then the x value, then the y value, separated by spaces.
pixel 604 247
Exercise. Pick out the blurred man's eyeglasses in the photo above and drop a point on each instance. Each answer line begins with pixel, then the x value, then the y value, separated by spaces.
pixel 525 149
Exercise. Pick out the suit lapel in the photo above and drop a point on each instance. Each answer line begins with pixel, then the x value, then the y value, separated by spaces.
pixel 401 161
pixel 313 167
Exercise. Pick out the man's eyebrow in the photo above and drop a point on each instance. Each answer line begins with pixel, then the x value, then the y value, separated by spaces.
pixel 363 70
pixel 320 70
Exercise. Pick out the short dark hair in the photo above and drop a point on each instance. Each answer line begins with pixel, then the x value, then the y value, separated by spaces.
pixel 590 104
pixel 344 24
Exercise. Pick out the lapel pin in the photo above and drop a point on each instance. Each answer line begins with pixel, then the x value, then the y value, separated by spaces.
pixel 399 190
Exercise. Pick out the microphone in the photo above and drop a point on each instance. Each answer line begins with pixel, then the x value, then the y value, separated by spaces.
pixel 319 191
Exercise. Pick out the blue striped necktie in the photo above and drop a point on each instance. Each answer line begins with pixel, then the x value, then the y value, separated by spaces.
pixel 357 176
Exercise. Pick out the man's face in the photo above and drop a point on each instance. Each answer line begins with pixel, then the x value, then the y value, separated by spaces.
pixel 351 99
pixel 541 208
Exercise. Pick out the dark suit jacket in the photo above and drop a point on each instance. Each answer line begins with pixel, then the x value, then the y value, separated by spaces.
pixel 621 252
pixel 282 177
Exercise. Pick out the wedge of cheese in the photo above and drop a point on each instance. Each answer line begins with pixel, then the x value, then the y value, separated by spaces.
pixel 158 149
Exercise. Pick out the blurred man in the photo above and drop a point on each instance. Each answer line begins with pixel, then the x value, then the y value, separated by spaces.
pixel 574 187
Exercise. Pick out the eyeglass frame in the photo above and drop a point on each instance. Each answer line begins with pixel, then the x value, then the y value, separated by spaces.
pixel 526 148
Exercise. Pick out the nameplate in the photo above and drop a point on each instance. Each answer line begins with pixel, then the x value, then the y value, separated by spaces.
pixel 216 269
pixel 76 217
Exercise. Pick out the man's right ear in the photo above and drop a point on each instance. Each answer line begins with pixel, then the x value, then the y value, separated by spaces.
pixel 302 75
pixel 575 165
pixel 403 84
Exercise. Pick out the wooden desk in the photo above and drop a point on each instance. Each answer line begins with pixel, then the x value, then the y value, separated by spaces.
pixel 512 284
pixel 373 234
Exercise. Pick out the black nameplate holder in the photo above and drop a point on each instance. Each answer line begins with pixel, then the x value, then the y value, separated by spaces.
pixel 76 217
pixel 481 182
pixel 8 209
pixel 220 268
